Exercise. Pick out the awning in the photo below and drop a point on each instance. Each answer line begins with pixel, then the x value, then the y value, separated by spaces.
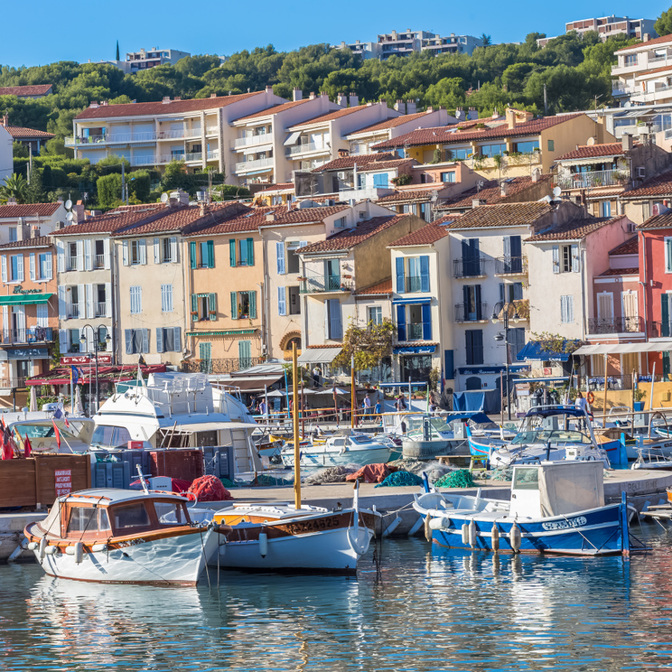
pixel 251 383
pixel 319 355
pixel 405 302
pixel 293 137
pixel 499 368
pixel 24 299
pixel 28 353
pixel 190 428
pixel 533 350
pixel 624 348
pixel 223 332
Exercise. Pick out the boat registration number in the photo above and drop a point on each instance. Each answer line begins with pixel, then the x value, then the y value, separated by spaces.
pixel 313 525
pixel 580 521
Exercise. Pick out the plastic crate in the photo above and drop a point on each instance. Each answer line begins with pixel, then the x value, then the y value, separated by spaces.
pixel 218 461
pixel 177 463
pixel 110 475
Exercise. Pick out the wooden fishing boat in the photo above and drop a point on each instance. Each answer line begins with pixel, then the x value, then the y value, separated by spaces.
pixel 121 536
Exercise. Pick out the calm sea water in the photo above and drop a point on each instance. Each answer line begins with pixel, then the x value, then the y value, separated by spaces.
pixel 421 609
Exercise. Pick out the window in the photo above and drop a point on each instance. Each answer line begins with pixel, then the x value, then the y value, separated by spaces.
pixel 244 354
pixel 605 209
pixel 551 145
pixel 474 346
pixel 206 251
pixel 167 251
pixel 128 516
pixel 448 177
pixel 99 258
pixel 512 291
pixel 340 223
pixel 44 269
pixel 73 305
pixel 166 298
pixel 414 322
pixel 333 321
pixel 492 150
pixel 16 268
pixel 294 300
pixel 136 341
pixel 241 252
pixel 380 180
pixel 136 300
pixel 293 264
pixel 13 235
pixel 630 60
pixel 101 300
pixel 72 257
pixel 472 308
pixel 374 314
pixel 459 153
pixel 566 308
pixel 138 252
pixel 243 305
pixel 73 340
pixel 526 147
pixel 566 258
pixel 168 339
pixel 204 307
pixel 83 520
pixel 412 274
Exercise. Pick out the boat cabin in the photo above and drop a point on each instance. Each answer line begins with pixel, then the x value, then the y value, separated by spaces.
pixel 555 488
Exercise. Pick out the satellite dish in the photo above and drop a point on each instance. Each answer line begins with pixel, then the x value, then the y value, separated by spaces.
pixel 557 191
pixel 69 216
pixel 164 197
pixel 68 204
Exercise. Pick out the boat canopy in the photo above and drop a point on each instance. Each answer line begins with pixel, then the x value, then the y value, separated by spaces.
pixel 570 487
pixel 548 411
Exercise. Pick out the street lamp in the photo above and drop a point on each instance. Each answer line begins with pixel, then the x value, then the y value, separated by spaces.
pixel 502 308
pixel 96 341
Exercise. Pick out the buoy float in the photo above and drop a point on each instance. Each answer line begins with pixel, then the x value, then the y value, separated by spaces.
pixel 514 538
pixel 263 544
pixel 495 537
pixel 79 552
pixel 473 534
pixel 428 529
pixel 43 546
pixel 465 534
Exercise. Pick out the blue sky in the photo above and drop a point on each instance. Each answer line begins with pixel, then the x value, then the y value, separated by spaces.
pixel 81 30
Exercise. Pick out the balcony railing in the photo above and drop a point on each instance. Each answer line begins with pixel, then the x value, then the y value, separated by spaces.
pixel 616 325
pixel 213 155
pixel 414 331
pixel 325 283
pixel 99 261
pixel 225 365
pixel 143 160
pixel 412 283
pixel 471 313
pixel 592 179
pixel 469 268
pixel 12 383
pixel 30 335
pixel 71 264
pixel 73 312
pixel 307 147
pixel 660 329
pixel 253 140
pixel 257 164
pixel 194 156
pixel 101 309
pixel 510 266
pixel 110 138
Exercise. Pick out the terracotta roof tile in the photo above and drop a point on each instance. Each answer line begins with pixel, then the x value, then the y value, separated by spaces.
pixel 594 151
pixel 346 240
pixel 630 246
pixel 656 40
pixel 112 221
pixel 29 90
pixel 646 73
pixel 661 185
pixel 382 288
pixel 21 132
pixel 621 271
pixel 575 230
pixel 663 221
pixel 414 195
pixel 248 222
pixel 337 114
pixel 39 241
pixel 28 210
pixel 447 135
pixel 155 108
pixel 502 214
pixel 425 236
pixel 598 193
pixel 362 160
pixel 301 215
pixel 280 107
pixel 391 123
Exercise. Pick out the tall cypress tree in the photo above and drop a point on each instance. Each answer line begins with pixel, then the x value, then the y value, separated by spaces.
pixel 117 49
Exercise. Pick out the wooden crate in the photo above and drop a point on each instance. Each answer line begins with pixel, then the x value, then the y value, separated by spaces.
pixel 176 463
pixel 17 483
pixel 57 475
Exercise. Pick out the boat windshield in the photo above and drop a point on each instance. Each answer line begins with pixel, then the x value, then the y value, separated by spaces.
pixel 41 431
pixel 108 436
pixel 357 439
pixel 171 513
pixel 126 517
pixel 552 435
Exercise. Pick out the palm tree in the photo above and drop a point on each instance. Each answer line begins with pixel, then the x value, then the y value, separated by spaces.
pixel 15 187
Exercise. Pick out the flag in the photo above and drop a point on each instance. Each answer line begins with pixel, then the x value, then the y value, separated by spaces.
pixel 57 434
pixel 66 422
pixel 7 448
pixel 27 448
pixel 141 361
pixel 74 374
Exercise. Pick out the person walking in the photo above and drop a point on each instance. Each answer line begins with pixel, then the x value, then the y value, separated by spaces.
pixel 366 405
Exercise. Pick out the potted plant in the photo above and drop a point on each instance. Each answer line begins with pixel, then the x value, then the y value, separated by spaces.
pixel 638 395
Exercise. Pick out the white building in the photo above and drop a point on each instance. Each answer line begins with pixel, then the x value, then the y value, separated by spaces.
pixel 150 58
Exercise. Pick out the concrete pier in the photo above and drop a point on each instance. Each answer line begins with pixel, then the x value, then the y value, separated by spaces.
pixel 11 532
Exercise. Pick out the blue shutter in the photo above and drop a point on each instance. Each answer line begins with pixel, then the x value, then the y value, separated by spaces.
pixel 177 338
pixel 145 340
pixel 280 253
pixel 517 291
pixel 211 253
pixel 128 338
pixel 232 252
pixel 212 306
pixel 401 323
pixel 424 273
pixel 282 301
pixel 400 275
pixel 243 253
pixel 244 354
pixel 234 305
pixel 426 322
pixel 336 328
pixel 477 344
pixel 250 251
pixel 192 254
pixel 194 304
pixel 449 364
pixel 477 301
pixel 159 339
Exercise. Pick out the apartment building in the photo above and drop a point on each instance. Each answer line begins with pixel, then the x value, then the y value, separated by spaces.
pixel 151 289
pixel 29 309
pixel 263 137
pixel 197 131
pixel 150 58
pixel 608 26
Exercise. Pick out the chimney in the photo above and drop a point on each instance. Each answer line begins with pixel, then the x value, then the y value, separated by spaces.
pixel 177 98
pixel 269 89
pixel 411 107
pixel 535 175
pixel 510 118
pixel 503 189
pixel 312 95
pixel 472 113
pixel 476 202
pixel 5 120
pixel 626 142
pixel 35 232
pixel 460 114
pixel 93 104
pixel 213 95
pixel 343 153
pixel 399 106
pixel 647 37
pixel 203 207
pixel 341 100
pixel 166 99
pixel 270 217
pixel 354 100
pixel 297 94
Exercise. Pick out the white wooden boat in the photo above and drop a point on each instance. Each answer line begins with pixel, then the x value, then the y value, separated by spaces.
pixel 121 536
pixel 358 449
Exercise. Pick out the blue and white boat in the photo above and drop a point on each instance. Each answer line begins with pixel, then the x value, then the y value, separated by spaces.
pixel 555 507
pixel 360 449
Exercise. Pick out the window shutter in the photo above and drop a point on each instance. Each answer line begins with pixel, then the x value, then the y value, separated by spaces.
pixel 194 305
pixel 177 339
pixel 128 340
pixel 575 258
pixel 106 253
pixel 570 308
pixel 242 246
pixel 517 291
pixel 42 315
pixel 664 315
pixel 426 322
pixel 192 254
pixel 556 259
pixel 477 343
pixel 282 301
pixel 400 274
pixel 19 268
pixel 88 257
pixel 401 323
pixel 424 273
pixel 211 253
pixel 80 255
pixel 159 339
pixel 232 253
pixel 145 340
pixel 3 263
pixel 63 339
pixel 477 300
pixel 108 299
pixel 124 252
pixel 48 268
pixel 515 246
pixel 157 254
pixel 507 248
pixel 31 265
pixel 90 313
pixel 212 305
pixel 60 257
pixel 173 251
pixel 336 328
pixel 142 246
pixel 280 253
pixel 253 305
pixel 250 251
pixel 244 353
pixel 62 305
pixel 234 305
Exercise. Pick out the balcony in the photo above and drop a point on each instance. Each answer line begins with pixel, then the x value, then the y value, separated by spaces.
pixel 592 179
pixel 73 312
pixel 317 284
pixel 99 261
pixel 257 164
pixel 193 156
pixel 170 135
pixel 101 308
pixel 23 336
pixel 469 268
pixel 253 140
pixel 511 266
pixel 307 148
pixel 213 155
pixel 15 382
pixel 143 160
pixel 471 313
pixel 110 139
pixel 412 284
pixel 71 264
pixel 414 331
pixel 616 325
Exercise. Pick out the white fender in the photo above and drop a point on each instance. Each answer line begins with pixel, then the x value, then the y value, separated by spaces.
pixel 428 527
pixel 99 548
pixel 263 544
pixel 439 524
pixel 495 537
pixel 465 534
pixel 473 534
pixel 353 540
pixel 32 545
pixel 43 546
pixel 51 550
pixel 79 552
pixel 514 538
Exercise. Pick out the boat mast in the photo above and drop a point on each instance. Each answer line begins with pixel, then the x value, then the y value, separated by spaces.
pixel 295 421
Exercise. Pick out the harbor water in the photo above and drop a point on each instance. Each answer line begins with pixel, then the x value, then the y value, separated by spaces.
pixel 410 608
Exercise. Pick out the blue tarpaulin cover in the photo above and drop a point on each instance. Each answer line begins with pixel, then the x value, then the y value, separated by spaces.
pixel 532 350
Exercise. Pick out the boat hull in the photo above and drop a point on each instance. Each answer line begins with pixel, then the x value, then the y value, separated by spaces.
pixel 325 458
pixel 164 560
pixel 591 532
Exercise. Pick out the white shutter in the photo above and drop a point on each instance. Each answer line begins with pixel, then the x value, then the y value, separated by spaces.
pixel 90 347
pixel 19 268
pixel 31 258
pixel 48 268
pixel 88 258
pixel 81 299
pixel 63 340
pixel 5 322
pixel 157 251
pixel 106 253
pixel 570 308
pixel 575 259
pixel 173 250
pixel 80 255
pixel 108 299
pixel 142 247
pixel 90 309
pixel 124 252
pixel 3 269
pixel 60 256
pixel 605 306
pixel 282 301
pixel 20 312
pixel 42 315
pixel 556 259
pixel 62 303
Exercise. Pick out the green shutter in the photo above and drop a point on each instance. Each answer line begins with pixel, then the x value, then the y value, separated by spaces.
pixel 250 251
pixel 234 305
pixel 192 254
pixel 194 306
pixel 253 305
pixel 212 306
pixel 664 316
pixel 232 252
pixel 211 254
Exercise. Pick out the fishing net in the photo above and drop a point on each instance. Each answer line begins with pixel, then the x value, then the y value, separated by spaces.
pixel 457 479
pixel 208 489
pixel 330 475
pixel 399 478
pixel 371 473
